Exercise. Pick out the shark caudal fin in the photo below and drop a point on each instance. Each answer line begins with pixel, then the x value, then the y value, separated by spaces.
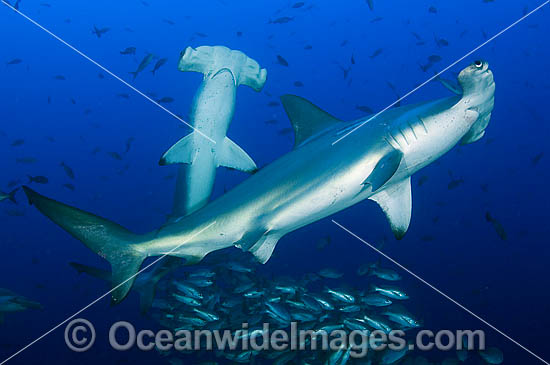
pixel 227 153
pixel 109 240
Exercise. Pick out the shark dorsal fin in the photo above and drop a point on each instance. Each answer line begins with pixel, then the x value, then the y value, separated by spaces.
pixel 306 118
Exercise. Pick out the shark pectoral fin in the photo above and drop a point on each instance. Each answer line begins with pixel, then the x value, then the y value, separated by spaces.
pixel 384 170
pixel 396 202
pixel 263 249
pixel 231 155
pixel 184 151
pixel 306 118
pixel 477 131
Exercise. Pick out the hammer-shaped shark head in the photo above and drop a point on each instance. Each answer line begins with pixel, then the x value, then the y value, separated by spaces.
pixel 478 85
pixel 210 60
pixel 479 96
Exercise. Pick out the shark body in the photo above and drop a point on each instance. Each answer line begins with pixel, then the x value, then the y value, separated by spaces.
pixel 316 179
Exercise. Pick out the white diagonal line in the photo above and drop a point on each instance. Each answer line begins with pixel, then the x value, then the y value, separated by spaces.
pixel 107 71
pixel 445 69
pixel 441 293
pixel 104 295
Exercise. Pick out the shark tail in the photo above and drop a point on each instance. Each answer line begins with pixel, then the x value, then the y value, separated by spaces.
pixel 109 240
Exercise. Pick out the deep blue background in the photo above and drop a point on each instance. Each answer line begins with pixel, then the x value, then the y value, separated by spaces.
pixel 505 282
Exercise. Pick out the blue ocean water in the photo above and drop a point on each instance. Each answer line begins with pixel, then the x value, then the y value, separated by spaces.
pixel 57 106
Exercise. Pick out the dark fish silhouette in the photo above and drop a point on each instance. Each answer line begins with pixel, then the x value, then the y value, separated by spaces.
pixel 417 36
pixel 69 171
pixel 38 179
pixel 60 77
pixel 69 186
pixel 370 3
pixel 426 67
pixel 422 180
pixel 285 131
pixel 168 21
pixel 298 84
pixel 144 63
pixel 535 160
pixel 441 42
pixel 100 31
pixel 434 58
pixel 115 155
pixel 376 53
pixel 281 61
pixel 273 104
pixel 271 121
pixel 497 226
pixel 15 61
pixel 298 5
pixel 432 10
pixel 281 20
pixel 159 64
pixel 18 142
pixel 455 183
pixel 129 142
pixel 166 99
pixel 364 109
pixel 129 50
pixel 345 71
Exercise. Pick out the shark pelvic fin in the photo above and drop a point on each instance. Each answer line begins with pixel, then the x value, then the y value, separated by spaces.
pixel 232 156
pixel 184 151
pixel 109 240
pixel 396 202
pixel 263 249
pixel 259 243
pixel 384 170
pixel 306 118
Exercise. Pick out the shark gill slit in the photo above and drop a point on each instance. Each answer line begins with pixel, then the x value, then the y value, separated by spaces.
pixel 412 130
pixel 423 125
pixel 403 135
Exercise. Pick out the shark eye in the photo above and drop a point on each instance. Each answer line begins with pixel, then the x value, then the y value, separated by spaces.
pixel 478 64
